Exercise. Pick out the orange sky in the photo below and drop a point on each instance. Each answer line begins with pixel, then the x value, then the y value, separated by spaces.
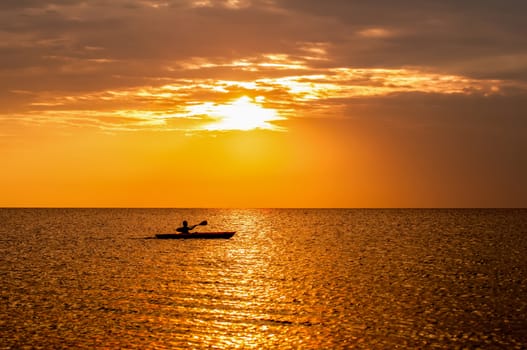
pixel 262 103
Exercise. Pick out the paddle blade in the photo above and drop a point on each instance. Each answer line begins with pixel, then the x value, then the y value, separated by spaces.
pixel 203 223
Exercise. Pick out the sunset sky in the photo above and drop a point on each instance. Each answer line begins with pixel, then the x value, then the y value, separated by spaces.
pixel 263 103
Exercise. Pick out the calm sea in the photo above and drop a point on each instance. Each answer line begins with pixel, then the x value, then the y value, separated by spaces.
pixel 313 279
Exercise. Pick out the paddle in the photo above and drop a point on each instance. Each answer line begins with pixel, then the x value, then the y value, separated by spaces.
pixel 203 223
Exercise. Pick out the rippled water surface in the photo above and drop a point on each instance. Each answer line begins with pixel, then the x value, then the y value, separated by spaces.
pixel 88 278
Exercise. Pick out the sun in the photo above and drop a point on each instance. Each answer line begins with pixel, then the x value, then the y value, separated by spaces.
pixel 243 113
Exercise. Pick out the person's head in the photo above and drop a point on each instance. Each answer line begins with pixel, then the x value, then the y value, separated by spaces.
pixel 185 223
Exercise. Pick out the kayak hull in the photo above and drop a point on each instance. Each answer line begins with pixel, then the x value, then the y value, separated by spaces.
pixel 203 235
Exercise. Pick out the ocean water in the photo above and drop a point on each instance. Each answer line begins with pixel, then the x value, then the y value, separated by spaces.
pixel 302 279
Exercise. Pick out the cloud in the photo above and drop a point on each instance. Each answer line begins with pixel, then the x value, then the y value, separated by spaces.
pixel 308 92
pixel 358 34
pixel 103 60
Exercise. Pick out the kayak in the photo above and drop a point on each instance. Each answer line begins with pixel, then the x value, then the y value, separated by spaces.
pixel 195 235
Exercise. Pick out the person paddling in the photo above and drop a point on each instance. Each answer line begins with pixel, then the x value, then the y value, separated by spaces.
pixel 186 228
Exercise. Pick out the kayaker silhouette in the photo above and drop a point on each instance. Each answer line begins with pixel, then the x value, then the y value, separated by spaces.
pixel 186 228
